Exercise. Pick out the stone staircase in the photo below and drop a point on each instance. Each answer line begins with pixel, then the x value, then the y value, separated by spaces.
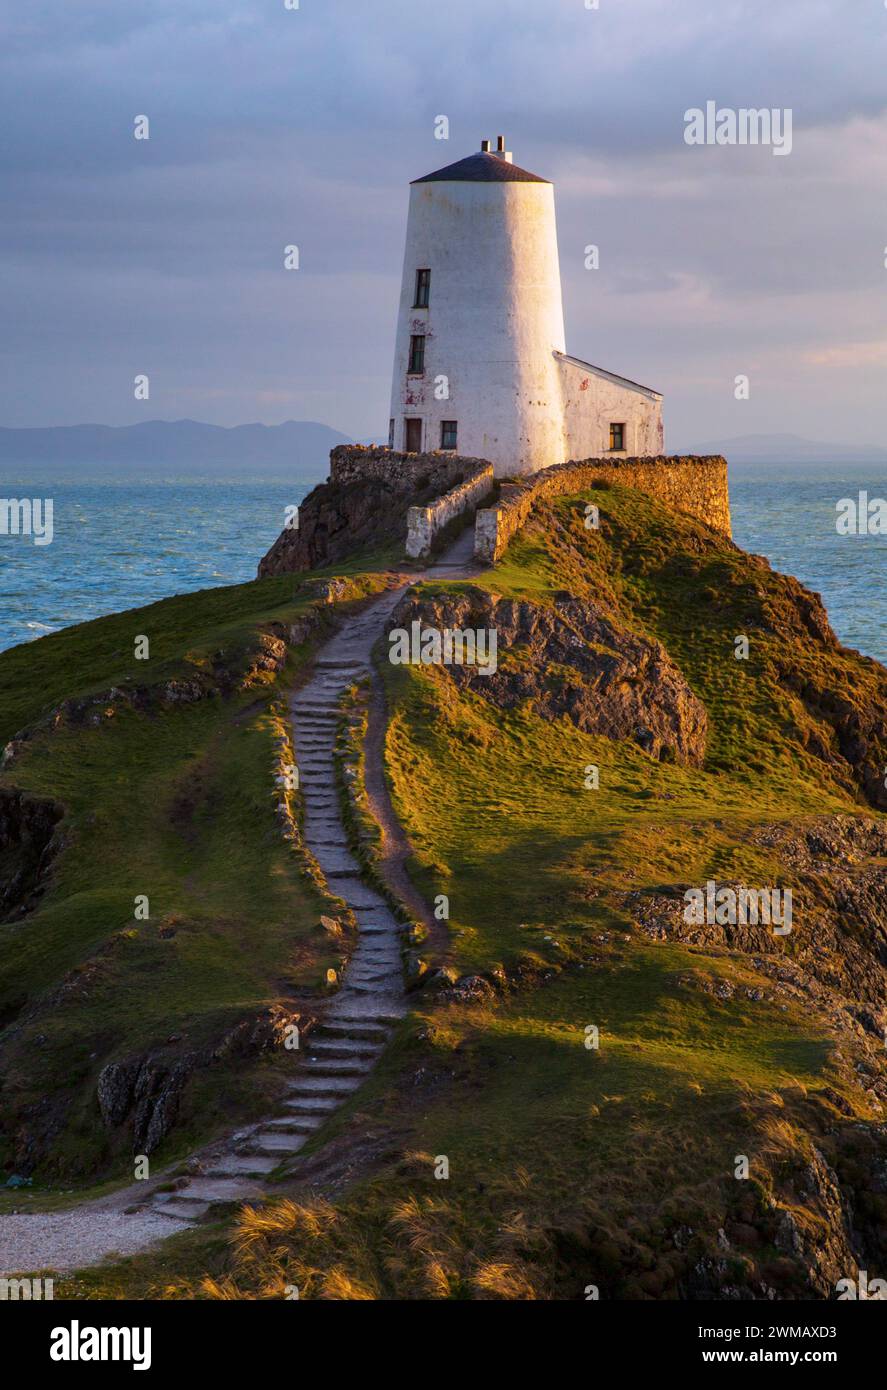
pixel 358 1022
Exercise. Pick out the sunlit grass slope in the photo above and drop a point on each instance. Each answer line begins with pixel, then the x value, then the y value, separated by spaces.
pixel 569 1166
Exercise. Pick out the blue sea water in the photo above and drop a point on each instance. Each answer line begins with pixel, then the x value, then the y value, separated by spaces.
pixel 120 545
pixel 788 514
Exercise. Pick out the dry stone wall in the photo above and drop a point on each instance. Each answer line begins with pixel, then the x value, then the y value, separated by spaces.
pixel 696 484
pixel 424 523
pixel 364 503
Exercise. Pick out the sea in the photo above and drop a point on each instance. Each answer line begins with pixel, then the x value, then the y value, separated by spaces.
pixel 119 545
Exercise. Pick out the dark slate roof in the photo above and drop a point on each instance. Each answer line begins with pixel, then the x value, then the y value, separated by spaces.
pixel 481 168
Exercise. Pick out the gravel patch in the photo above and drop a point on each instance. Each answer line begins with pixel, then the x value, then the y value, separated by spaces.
pixel 62 1241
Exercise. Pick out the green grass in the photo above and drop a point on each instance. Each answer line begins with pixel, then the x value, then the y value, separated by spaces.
pixel 175 803
pixel 568 1166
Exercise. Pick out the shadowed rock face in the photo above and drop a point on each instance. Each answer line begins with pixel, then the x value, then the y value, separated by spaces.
pixel 348 514
pixel 572 659
pixel 28 844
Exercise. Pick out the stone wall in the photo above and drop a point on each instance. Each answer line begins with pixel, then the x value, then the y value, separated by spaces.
pixel 693 484
pixel 424 523
pixel 355 463
pixel 363 505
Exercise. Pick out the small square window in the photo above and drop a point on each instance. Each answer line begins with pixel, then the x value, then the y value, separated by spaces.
pixel 417 354
pixel 449 430
pixel 423 289
pixel 617 437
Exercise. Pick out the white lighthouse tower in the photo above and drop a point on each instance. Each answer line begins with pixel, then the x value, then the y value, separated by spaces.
pixel 480 365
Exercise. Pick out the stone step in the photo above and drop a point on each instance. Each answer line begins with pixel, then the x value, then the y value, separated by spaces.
pixel 364 967
pixel 355 1030
pixel 176 1214
pixel 298 1123
pixel 240 1165
pixel 373 984
pixel 344 1048
pixel 341 1066
pixel 189 1208
pixel 311 1086
pixel 317 1107
pixel 220 1190
pixel 267 1141
pixel 363 1012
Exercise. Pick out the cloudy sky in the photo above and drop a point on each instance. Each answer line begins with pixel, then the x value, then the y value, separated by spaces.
pixel 271 126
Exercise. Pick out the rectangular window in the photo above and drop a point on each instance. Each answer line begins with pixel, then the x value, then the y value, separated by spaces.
pixel 423 289
pixel 448 433
pixel 417 354
pixel 412 434
pixel 617 437
pixel 390 434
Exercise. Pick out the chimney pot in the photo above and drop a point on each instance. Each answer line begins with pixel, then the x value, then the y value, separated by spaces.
pixel 500 142
pixel 485 146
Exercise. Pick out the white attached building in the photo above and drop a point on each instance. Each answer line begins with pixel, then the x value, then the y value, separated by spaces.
pixel 480 363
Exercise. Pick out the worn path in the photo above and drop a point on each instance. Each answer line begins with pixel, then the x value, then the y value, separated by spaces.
pixel 356 1025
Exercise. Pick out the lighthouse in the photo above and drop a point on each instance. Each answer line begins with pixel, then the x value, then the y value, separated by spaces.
pixel 480 362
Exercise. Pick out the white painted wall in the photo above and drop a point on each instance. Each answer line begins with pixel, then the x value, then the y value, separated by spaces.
pixel 495 314
pixel 593 399
pixel 494 328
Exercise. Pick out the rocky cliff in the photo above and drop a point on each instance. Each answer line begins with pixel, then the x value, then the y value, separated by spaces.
pixel 363 506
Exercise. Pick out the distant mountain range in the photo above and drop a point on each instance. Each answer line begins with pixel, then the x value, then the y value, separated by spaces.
pixel 297 450
pixel 788 448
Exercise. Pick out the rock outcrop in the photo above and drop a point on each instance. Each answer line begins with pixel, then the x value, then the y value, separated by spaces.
pixel 28 843
pixel 839 931
pixel 573 660
pixel 364 504
pixel 146 1091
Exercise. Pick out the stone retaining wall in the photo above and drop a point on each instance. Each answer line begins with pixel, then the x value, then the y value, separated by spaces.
pixel 424 523
pixel 696 484
pixel 356 463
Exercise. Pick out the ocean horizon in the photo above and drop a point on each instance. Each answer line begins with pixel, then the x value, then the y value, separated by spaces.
pixel 120 545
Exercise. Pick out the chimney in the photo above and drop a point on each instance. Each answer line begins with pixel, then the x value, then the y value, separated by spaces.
pixel 485 147
pixel 501 152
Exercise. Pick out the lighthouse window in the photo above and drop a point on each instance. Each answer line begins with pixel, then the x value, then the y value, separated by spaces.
pixel 423 288
pixel 448 433
pixel 417 354
pixel 617 437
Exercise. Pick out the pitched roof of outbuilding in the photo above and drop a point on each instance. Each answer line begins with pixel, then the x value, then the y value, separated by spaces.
pixel 481 168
